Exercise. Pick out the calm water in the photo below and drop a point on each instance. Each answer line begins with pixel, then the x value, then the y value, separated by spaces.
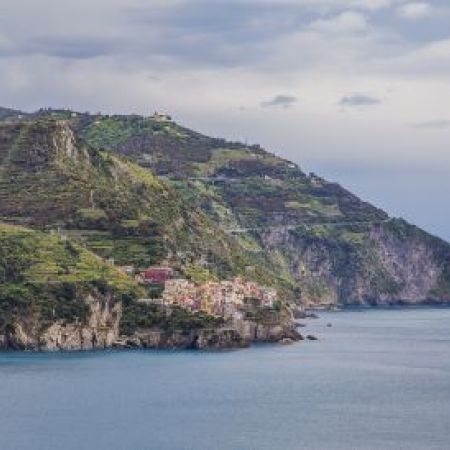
pixel 376 380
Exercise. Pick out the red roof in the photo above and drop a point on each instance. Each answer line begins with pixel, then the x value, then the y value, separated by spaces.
pixel 157 274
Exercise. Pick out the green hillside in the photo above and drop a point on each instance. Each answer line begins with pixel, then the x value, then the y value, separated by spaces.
pixel 146 191
pixel 46 277
pixel 52 180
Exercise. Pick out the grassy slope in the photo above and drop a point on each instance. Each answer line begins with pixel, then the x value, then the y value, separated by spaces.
pixel 47 277
pixel 258 186
pixel 44 278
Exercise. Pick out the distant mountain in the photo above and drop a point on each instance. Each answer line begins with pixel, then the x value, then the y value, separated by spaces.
pixel 144 190
pixel 7 113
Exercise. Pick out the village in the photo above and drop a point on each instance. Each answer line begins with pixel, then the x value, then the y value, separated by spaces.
pixel 228 299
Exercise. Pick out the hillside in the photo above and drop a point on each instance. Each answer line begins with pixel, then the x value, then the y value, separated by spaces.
pixel 212 208
pixel 48 282
pixel 52 180
pixel 56 295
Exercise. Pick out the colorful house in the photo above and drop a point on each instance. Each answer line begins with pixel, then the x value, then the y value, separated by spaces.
pixel 223 298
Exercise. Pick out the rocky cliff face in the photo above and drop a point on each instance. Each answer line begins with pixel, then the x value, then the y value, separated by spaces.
pixel 268 327
pixel 101 331
pixel 207 339
pixel 238 334
pixel 387 263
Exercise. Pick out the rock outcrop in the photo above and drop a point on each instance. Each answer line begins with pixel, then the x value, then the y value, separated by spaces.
pixel 269 327
pixel 387 263
pixel 208 339
pixel 101 331
pixel 238 333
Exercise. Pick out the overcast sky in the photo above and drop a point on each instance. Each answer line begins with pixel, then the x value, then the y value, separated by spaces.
pixel 356 90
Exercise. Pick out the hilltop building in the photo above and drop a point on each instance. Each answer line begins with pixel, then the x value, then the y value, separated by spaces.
pixel 160 117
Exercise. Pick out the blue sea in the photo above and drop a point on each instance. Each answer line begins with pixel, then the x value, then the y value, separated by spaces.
pixel 376 379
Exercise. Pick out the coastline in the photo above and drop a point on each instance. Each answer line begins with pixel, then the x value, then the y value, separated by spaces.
pixel 70 338
pixel 393 307
pixel 241 335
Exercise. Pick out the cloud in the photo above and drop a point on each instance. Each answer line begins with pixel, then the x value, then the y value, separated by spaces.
pixel 74 47
pixel 433 124
pixel 284 101
pixel 204 33
pixel 414 11
pixel 431 58
pixel 371 5
pixel 358 100
pixel 346 22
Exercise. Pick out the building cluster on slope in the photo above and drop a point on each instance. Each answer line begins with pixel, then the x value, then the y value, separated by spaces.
pixel 221 298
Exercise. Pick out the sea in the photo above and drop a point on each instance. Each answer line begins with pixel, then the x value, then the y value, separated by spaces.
pixel 374 379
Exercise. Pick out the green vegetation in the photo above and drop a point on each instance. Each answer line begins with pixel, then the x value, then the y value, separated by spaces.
pixel 46 277
pixel 144 192
pixel 120 210
pixel 144 316
pixel 108 132
pixel 403 230
pixel 198 274
pixel 84 190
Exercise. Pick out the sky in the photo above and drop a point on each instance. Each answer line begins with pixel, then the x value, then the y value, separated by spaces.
pixel 355 90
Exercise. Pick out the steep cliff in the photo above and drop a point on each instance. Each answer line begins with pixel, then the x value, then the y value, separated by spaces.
pixel 385 263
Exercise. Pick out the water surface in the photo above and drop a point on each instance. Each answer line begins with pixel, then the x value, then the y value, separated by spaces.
pixel 377 379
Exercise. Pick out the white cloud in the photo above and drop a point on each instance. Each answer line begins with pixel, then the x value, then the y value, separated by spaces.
pixel 346 22
pixel 371 5
pixel 433 124
pixel 414 11
pixel 430 59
